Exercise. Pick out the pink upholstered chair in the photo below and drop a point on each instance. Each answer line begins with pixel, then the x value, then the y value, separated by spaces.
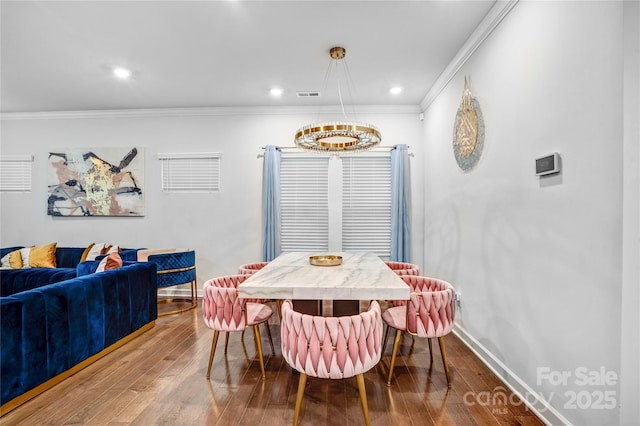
pixel 403 268
pixel 429 313
pixel 331 347
pixel 223 310
pixel 251 268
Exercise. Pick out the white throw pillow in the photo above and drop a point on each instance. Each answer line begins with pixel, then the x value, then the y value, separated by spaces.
pixel 24 252
pixel 95 251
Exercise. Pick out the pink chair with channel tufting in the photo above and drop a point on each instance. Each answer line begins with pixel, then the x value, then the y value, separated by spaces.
pixel 331 347
pixel 403 268
pixel 251 268
pixel 223 310
pixel 429 313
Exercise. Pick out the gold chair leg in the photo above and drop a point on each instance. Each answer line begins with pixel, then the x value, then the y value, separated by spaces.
pixel 386 338
pixel 302 382
pixel 363 398
pixel 266 325
pixel 194 293
pixel 226 342
pixel 256 334
pixel 430 350
pixel 214 342
pixel 444 360
pixel 396 343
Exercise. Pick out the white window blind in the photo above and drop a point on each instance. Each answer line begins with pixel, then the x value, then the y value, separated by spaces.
pixel 190 172
pixel 15 173
pixel 304 203
pixel 366 204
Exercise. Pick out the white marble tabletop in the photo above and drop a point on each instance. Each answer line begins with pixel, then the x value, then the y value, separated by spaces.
pixel 362 276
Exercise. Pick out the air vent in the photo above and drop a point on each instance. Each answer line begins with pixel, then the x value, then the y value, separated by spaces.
pixel 307 94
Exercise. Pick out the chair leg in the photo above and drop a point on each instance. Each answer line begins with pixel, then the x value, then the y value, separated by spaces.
pixel 213 351
pixel 444 360
pixel 256 334
pixel 302 382
pixel 386 338
pixel 363 398
pixel 430 350
pixel 278 303
pixel 266 326
pixel 396 343
pixel 226 342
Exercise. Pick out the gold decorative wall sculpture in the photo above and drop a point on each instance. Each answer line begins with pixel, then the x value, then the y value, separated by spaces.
pixel 468 131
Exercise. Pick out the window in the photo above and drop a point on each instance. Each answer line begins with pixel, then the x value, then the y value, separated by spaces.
pixel 304 203
pixel 336 203
pixel 190 172
pixel 366 204
pixel 15 173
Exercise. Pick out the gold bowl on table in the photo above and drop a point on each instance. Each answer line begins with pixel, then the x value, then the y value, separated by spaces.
pixel 325 260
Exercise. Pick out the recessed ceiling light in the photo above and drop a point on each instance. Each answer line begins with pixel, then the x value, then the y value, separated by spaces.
pixel 122 73
pixel 276 91
pixel 395 90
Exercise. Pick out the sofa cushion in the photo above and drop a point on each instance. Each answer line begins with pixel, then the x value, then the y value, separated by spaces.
pixel 43 256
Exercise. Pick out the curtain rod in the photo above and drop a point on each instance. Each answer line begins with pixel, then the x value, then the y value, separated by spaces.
pixel 390 147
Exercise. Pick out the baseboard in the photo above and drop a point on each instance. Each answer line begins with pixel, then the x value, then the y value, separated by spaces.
pixel 534 402
pixel 175 292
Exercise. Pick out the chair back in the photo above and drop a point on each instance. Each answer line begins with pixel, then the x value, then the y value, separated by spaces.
pixel 403 268
pixel 331 347
pixel 251 268
pixel 222 309
pixel 431 307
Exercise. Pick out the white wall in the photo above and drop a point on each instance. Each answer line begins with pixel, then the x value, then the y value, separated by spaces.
pixel 538 261
pixel 224 228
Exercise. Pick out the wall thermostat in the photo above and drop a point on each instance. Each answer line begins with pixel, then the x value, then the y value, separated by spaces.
pixel 548 164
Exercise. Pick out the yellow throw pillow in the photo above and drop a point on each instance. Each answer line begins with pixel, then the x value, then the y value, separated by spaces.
pixel 43 256
pixel 15 260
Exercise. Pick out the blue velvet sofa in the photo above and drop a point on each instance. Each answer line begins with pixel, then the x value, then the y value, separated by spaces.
pixel 49 330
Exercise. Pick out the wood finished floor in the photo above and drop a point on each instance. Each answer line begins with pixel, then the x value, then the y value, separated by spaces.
pixel 159 379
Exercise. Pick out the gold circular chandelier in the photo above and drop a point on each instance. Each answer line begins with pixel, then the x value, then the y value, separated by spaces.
pixel 337 135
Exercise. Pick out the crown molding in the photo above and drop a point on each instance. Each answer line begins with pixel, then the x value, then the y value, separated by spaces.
pixel 212 111
pixel 491 20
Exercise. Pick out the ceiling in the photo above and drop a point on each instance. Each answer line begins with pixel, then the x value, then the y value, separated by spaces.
pixel 59 55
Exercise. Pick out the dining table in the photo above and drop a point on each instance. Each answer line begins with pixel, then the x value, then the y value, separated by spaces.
pixel 359 276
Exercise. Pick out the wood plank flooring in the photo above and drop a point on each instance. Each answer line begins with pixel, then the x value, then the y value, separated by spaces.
pixel 159 379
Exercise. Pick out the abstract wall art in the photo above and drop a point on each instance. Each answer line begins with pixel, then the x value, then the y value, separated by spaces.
pixel 96 182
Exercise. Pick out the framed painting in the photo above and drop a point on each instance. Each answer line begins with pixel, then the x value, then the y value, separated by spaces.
pixel 96 182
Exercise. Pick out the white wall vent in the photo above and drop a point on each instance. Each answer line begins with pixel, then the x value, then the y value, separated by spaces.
pixel 307 94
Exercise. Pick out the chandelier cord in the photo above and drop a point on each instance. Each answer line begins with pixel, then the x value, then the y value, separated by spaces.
pixel 325 84
pixel 350 85
pixel 344 114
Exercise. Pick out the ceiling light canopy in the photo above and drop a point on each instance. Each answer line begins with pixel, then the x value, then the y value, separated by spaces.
pixel 339 135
